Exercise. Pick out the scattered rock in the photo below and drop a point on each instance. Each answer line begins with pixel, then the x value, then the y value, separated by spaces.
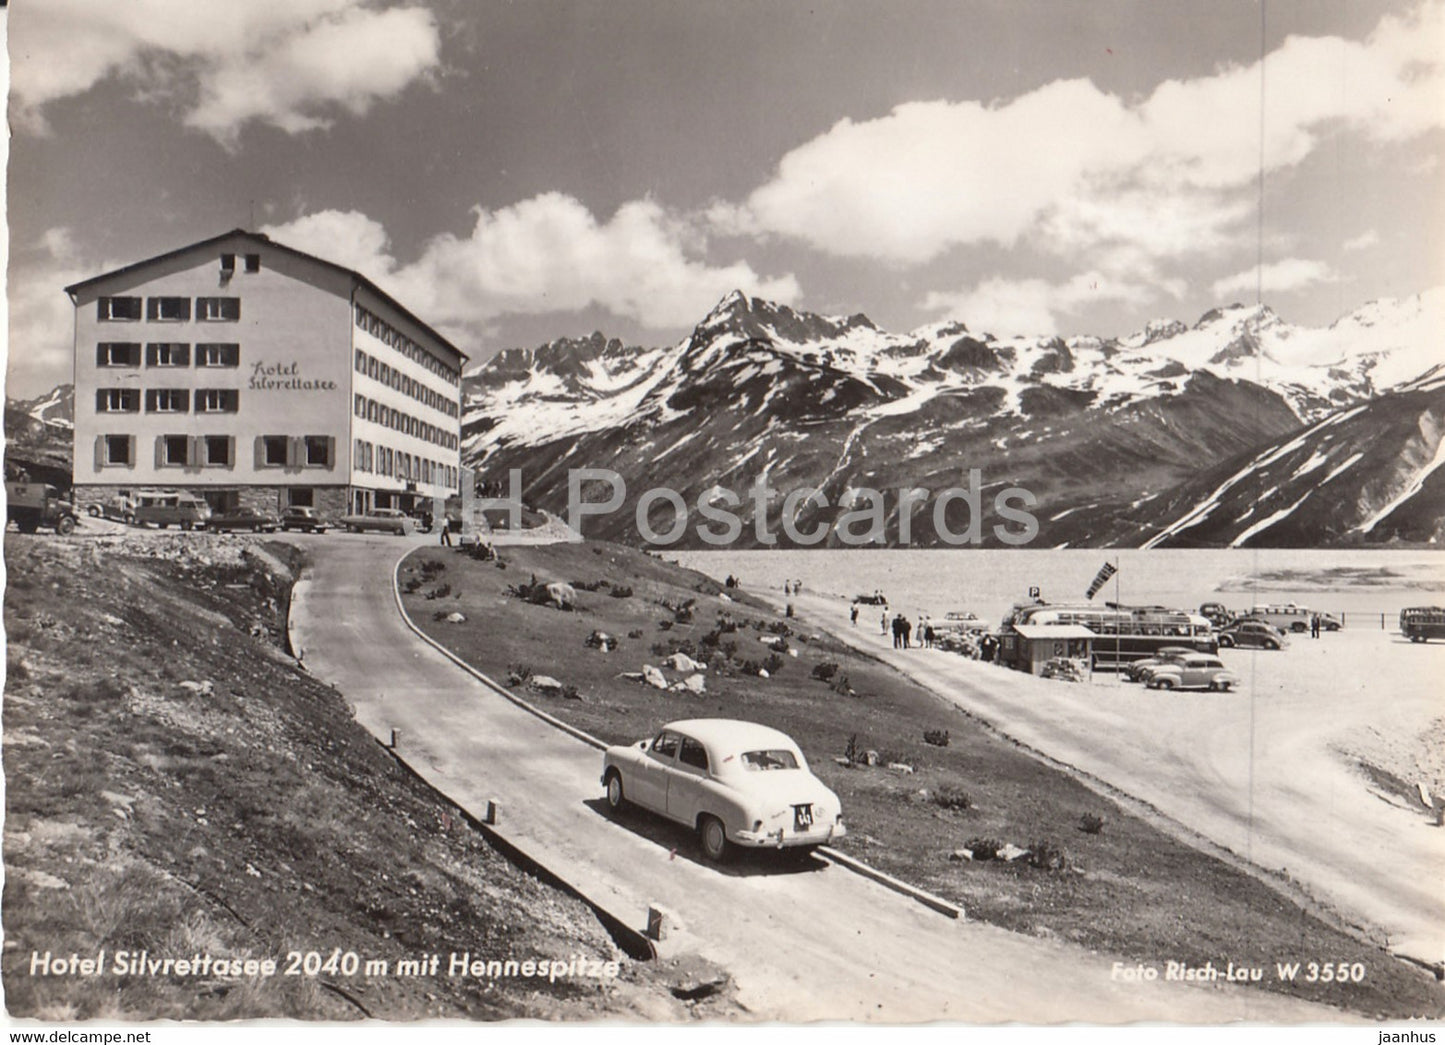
pixel 900 767
pixel 545 684
pixel 653 677
pixel 961 854
pixel 602 640
pixel 871 758
pixel 695 683
pixel 201 689
pixel 562 595
pixel 455 618
pixel 1011 852
pixel 682 662
pixel 763 673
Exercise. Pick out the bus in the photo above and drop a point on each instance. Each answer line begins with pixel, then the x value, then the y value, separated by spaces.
pixel 1124 633
pixel 1290 616
pixel 1422 623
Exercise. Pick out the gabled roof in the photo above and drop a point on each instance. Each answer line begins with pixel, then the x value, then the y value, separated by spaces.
pixel 260 238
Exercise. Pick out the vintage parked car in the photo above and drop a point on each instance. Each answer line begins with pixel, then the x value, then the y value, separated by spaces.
pixel 379 520
pixel 1216 613
pixel 298 518
pixel 1290 616
pixel 244 519
pixel 735 783
pixel 1138 670
pixel 1255 634
pixel 1196 671
pixel 119 507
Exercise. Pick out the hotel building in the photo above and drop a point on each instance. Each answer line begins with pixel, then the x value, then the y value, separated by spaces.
pixel 255 375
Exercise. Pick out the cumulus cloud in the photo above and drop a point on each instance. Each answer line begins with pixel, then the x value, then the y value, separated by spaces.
pixel 1275 278
pixel 290 63
pixel 544 254
pixel 1072 172
pixel 1365 240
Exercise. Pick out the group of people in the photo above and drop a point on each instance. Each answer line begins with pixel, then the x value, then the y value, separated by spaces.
pixel 792 587
pixel 903 637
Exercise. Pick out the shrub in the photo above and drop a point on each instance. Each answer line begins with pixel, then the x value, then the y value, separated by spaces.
pixel 431 567
pixel 440 592
pixel 622 591
pixel 635 633
pixel 411 585
pixel 1046 856
pixel 774 663
pixel 590 585
pixel 936 737
pixel 950 797
pixel 664 625
pixel 825 671
pixel 1091 824
pixel 851 751
pixel 779 645
pixel 778 627
pixel 518 674
pixel 842 688
pixel 983 848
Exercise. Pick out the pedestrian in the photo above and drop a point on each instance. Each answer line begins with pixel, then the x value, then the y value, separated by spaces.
pixel 883 623
pixel 1315 626
pixel 445 538
pixel 787 587
pixel 907 632
pixel 928 635
pixel 853 614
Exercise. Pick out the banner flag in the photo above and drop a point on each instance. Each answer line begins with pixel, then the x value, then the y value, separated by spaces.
pixel 1103 575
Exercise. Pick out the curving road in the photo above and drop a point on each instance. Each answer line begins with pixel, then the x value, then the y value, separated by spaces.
pixel 802 944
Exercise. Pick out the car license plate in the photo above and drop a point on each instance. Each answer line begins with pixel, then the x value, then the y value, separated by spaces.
pixel 803 816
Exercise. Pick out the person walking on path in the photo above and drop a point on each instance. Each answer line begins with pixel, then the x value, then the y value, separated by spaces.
pixel 883 623
pixel 1315 626
pixel 853 615
pixel 445 538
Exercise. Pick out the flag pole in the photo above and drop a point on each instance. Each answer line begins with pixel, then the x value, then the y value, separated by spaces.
pixel 1118 644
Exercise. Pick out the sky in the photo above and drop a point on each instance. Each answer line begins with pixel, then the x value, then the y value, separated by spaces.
pixel 519 170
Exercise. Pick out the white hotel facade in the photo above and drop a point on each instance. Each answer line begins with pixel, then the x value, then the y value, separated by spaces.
pixel 256 375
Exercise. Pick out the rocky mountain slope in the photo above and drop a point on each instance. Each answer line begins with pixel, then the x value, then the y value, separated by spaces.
pixel 1097 430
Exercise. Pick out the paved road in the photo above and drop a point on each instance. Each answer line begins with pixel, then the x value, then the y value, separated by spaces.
pixel 810 944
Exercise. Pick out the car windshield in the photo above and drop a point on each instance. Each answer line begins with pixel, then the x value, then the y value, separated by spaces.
pixel 773 758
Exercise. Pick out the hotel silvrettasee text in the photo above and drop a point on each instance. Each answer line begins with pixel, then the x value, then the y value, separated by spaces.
pixel 254 375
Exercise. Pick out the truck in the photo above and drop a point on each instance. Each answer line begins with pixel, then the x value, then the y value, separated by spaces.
pixel 33 505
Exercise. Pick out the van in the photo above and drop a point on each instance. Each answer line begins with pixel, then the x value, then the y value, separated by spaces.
pixel 1422 623
pixel 161 508
pixel 1292 617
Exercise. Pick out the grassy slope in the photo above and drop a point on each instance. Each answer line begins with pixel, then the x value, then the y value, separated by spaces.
pixel 1131 891
pixel 246 821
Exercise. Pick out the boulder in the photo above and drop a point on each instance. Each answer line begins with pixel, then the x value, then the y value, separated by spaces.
pixel 682 662
pixel 562 595
pixel 900 767
pixel 653 677
pixel 456 618
pixel 545 684
pixel 695 683
pixel 602 640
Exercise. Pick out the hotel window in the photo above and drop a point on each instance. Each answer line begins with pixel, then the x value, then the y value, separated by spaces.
pixel 360 361
pixel 215 310
pixel 173 451
pixel 253 263
pixel 168 309
pixel 114 450
pixel 373 409
pixel 168 353
pixel 113 309
pixel 117 400
pixel 318 451
pixel 358 453
pixel 219 450
pixel 117 353
pixel 218 354
pixel 167 400
pixel 228 264
pixel 272 451
pixel 358 405
pixel 217 400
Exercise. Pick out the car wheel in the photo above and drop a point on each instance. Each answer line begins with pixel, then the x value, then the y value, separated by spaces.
pixel 1298 627
pixel 65 525
pixel 1223 686
pixel 1163 684
pixel 129 519
pixel 186 526
pixel 1226 641
pixel 93 511
pixel 714 839
pixel 1271 644
pixel 616 798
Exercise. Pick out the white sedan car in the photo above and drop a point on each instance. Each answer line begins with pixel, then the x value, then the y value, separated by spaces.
pixel 735 783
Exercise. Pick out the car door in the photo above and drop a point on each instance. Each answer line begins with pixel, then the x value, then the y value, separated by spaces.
pixel 648 788
pixel 686 780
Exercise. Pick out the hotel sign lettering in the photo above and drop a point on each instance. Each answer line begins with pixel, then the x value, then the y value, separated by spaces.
pixel 286 377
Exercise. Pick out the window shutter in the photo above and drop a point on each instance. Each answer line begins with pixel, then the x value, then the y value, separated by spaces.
pixel 230 451
pixel 295 451
pixel 160 451
pixel 331 451
pixel 99 400
pixel 99 452
pixel 185 395
pixel 100 312
pixel 193 452
pixel 260 452
pixel 130 451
